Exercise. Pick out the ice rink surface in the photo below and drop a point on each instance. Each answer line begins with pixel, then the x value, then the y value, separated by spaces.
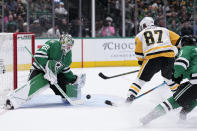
pixel 46 112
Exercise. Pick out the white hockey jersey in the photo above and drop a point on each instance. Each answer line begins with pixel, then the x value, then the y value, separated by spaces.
pixel 155 42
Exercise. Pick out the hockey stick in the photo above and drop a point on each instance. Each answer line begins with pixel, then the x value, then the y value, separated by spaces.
pixel 109 77
pixel 72 102
pixel 162 84
pixel 108 102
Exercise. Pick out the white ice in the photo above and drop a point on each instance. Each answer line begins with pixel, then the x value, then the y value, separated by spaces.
pixel 46 112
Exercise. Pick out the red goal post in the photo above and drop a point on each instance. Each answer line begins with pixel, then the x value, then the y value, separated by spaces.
pixel 15 62
pixel 16 36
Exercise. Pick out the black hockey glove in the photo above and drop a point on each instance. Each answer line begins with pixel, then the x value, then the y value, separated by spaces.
pixel 177 80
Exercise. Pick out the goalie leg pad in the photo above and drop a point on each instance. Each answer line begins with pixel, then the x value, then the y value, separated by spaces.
pixel 81 79
pixel 73 91
pixel 21 95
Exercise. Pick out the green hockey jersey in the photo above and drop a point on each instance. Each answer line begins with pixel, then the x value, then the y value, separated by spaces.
pixel 186 63
pixel 51 50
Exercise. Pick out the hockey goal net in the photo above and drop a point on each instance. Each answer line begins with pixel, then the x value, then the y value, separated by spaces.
pixel 15 61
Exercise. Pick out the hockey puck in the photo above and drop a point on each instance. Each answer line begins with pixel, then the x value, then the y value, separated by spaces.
pixel 88 96
pixel 108 102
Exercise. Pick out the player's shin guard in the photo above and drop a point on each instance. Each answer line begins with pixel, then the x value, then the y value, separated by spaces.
pixel 155 113
pixel 160 110
pixel 21 95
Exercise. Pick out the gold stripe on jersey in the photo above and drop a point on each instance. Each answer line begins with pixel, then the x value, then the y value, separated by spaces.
pixel 164 54
pixel 174 87
pixel 133 87
pixel 142 67
pixel 158 48
pixel 174 38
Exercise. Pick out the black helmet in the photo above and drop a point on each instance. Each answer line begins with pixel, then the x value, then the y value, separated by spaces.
pixel 188 40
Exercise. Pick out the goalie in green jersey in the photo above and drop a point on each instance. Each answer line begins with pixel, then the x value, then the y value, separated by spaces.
pixel 51 66
pixel 185 67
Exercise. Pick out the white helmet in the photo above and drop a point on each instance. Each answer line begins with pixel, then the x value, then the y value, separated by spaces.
pixel 66 42
pixel 146 22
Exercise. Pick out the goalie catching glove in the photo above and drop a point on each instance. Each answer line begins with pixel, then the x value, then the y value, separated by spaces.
pixel 52 69
pixel 80 81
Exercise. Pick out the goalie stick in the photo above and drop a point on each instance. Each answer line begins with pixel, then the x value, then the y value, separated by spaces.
pixel 72 102
pixel 108 102
pixel 109 77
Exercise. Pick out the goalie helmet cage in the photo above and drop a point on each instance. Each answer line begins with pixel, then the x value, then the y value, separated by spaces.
pixel 14 59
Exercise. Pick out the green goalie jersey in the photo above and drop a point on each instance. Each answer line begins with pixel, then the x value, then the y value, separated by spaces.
pixel 51 50
pixel 186 63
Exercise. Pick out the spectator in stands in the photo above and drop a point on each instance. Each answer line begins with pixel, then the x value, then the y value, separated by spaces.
pixel 178 10
pixel 20 2
pixel 20 10
pixel 20 22
pixel 24 27
pixel 173 16
pixel 6 14
pixel 60 10
pixel 187 29
pixel 36 28
pixel 99 26
pixel 108 29
pixel 184 15
pixel 11 5
pixel 11 26
pixel 64 26
pixel 129 27
pixel 174 26
pixel 75 28
pixel 56 32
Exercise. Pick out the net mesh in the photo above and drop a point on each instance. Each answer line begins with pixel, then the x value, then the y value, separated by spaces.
pixel 24 61
pixel 6 56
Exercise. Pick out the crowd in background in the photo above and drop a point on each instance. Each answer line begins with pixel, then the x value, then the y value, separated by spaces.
pixel 179 18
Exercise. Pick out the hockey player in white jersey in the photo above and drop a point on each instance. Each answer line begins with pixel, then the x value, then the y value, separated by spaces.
pixel 185 97
pixel 155 49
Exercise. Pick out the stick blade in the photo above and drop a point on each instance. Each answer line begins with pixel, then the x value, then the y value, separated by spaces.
pixel 103 76
pixel 108 102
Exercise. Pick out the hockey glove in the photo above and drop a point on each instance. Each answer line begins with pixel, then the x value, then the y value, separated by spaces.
pixel 80 81
pixel 178 79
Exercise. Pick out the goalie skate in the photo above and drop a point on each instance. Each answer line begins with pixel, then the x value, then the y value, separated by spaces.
pixel 8 105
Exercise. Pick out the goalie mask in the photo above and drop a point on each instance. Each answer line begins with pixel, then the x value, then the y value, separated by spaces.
pixel 66 42
pixel 146 22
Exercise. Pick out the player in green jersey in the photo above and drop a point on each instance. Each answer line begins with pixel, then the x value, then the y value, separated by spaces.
pixel 51 66
pixel 185 67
